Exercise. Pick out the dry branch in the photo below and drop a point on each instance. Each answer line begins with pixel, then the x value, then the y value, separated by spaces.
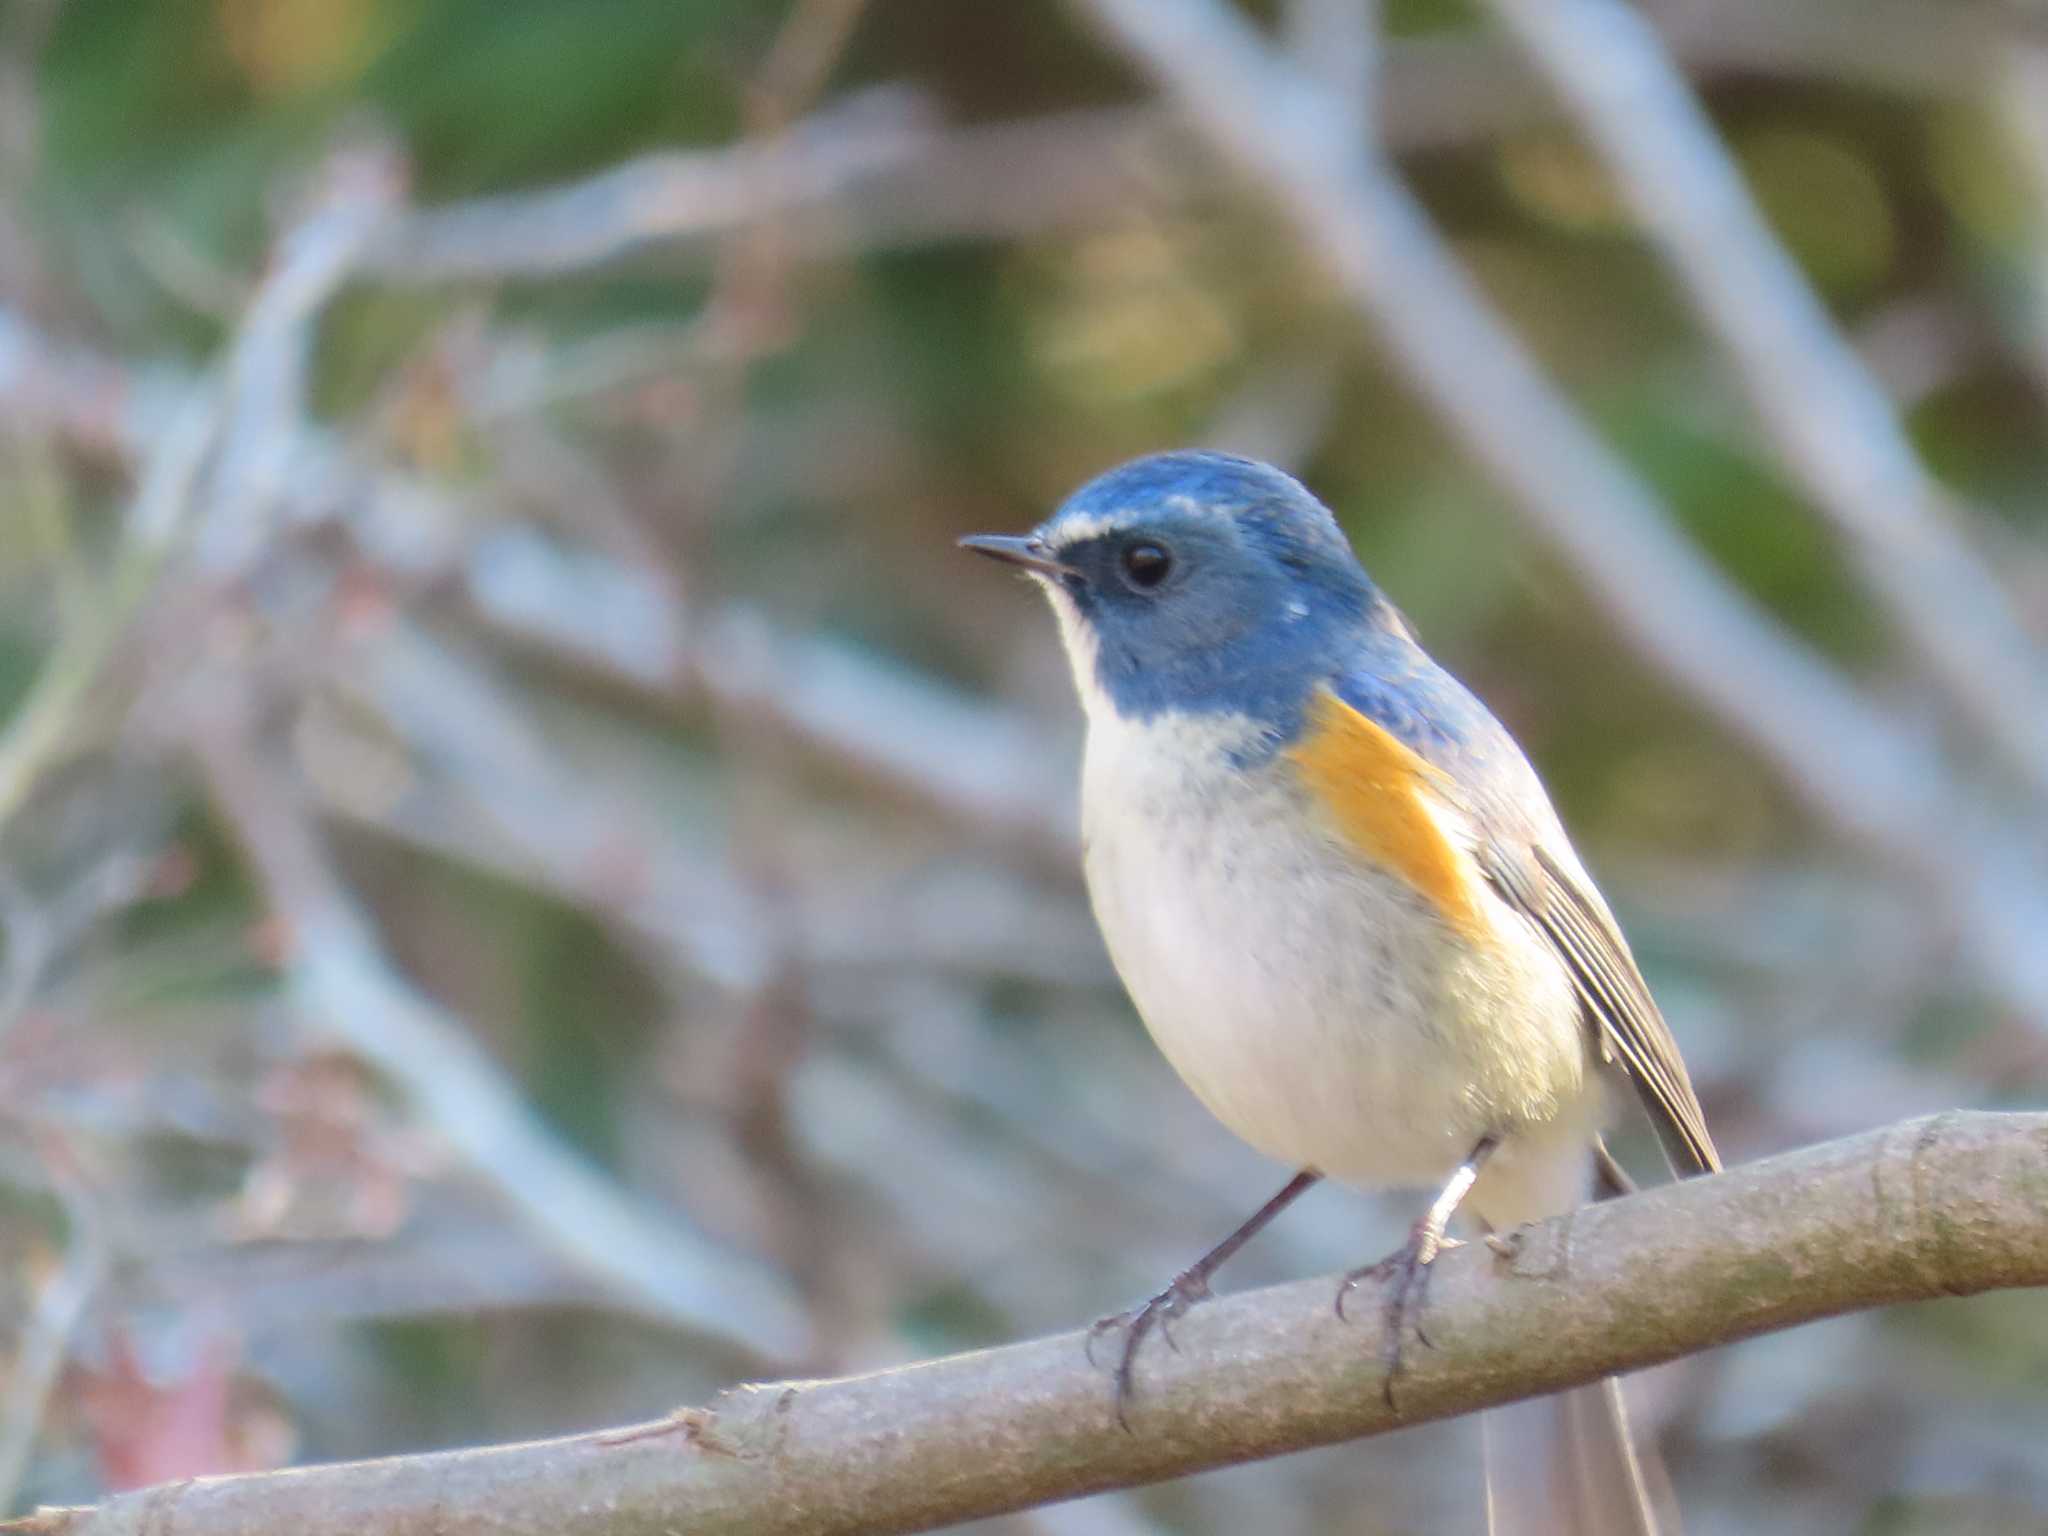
pixel 1948 1205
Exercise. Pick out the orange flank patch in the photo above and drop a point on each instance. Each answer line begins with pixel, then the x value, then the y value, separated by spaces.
pixel 1373 786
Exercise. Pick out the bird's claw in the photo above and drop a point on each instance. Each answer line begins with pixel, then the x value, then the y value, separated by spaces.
pixel 1156 1311
pixel 1405 1273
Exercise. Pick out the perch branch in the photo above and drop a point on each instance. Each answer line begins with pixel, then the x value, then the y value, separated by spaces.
pixel 1944 1206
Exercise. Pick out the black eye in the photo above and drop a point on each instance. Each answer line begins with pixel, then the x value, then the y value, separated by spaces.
pixel 1146 565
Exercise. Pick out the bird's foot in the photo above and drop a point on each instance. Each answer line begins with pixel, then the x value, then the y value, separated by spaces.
pixel 1158 1311
pixel 1405 1275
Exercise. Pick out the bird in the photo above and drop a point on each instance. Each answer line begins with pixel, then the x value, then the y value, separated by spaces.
pixel 1347 913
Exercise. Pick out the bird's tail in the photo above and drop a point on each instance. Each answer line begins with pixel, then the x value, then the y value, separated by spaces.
pixel 1569 1466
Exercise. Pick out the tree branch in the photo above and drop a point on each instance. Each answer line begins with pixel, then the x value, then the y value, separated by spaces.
pixel 1948 1205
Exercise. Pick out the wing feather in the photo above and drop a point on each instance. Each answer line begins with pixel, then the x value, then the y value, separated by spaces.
pixel 1616 998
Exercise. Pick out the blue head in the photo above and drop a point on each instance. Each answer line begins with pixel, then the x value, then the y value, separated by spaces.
pixel 1200 582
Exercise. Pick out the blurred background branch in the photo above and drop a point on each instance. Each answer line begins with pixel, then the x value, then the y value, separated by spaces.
pixel 1833 426
pixel 532 881
pixel 345 987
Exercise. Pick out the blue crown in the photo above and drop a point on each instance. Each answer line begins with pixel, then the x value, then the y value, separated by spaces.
pixel 1266 600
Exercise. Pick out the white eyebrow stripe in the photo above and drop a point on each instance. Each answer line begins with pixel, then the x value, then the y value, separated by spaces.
pixel 1076 528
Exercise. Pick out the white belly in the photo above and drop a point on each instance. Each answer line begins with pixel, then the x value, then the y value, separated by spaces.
pixel 1316 1006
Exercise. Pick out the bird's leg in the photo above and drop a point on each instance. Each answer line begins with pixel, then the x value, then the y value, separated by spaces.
pixel 1406 1271
pixel 1611 1180
pixel 1188 1287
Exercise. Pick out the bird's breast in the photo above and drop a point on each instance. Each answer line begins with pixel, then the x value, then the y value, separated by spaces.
pixel 1302 944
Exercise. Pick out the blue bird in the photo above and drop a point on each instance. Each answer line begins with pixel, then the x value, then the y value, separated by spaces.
pixel 1345 909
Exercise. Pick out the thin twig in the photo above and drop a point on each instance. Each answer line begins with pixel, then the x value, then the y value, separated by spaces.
pixel 41 729
pixel 1922 48
pixel 1448 89
pixel 266 382
pixel 1929 1208
pixel 40 1353
pixel 881 175
pixel 670 197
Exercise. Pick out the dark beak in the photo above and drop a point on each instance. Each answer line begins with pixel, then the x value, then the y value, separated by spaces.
pixel 1015 550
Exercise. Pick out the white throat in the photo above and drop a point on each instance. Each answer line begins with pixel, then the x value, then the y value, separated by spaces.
pixel 1082 647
